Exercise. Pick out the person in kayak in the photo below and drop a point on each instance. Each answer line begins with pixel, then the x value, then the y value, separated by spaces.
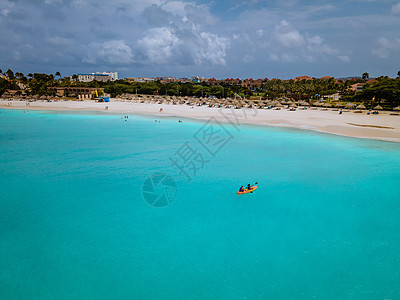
pixel 241 189
pixel 248 186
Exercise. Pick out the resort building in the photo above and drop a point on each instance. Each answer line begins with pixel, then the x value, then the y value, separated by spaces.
pixel 232 81
pixel 197 79
pixel 99 76
pixel 357 87
pixel 333 97
pixel 252 83
pixel 79 92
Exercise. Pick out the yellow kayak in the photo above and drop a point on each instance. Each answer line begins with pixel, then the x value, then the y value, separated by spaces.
pixel 246 191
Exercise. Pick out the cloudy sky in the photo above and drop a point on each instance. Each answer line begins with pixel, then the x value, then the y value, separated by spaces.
pixel 237 38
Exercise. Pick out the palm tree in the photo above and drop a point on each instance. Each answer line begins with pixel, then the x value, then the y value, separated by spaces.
pixel 19 75
pixel 10 74
pixel 58 74
pixel 365 75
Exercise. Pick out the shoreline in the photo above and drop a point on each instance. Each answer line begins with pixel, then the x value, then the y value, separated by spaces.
pixel 384 127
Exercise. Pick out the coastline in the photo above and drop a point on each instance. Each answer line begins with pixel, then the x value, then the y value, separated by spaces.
pixel 383 126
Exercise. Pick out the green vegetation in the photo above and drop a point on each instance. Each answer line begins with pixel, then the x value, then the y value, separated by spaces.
pixel 304 89
pixel 365 75
pixel 384 91
pixel 7 85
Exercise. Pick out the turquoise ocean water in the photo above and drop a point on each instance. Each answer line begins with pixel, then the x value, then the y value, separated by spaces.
pixel 74 224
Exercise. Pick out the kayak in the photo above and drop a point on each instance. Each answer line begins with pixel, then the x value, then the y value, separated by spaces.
pixel 246 191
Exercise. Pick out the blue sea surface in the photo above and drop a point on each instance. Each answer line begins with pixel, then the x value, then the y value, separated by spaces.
pixel 324 222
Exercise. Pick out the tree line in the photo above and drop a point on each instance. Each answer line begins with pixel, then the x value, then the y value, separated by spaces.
pixel 384 90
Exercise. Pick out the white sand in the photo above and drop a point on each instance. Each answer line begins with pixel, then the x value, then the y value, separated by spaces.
pixel 381 127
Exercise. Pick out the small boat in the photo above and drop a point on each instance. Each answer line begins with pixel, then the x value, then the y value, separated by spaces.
pixel 246 191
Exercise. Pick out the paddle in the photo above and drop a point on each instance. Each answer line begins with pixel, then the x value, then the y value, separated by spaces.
pixel 254 185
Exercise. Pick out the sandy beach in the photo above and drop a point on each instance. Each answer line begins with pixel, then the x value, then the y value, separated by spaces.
pixel 383 126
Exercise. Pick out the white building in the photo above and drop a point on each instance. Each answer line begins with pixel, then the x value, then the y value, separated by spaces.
pixel 85 77
pixel 112 75
pixel 99 76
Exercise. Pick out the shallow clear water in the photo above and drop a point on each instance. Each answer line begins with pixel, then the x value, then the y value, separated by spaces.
pixel 74 223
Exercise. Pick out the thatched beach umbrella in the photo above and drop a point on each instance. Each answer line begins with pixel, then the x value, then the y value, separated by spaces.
pixel 338 105
pixel 274 103
pixel 396 108
pixel 349 105
pixel 378 107
pixel 361 106
pixel 267 102
pixel 327 104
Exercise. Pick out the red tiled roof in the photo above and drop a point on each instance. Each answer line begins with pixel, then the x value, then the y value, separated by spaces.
pixel 298 78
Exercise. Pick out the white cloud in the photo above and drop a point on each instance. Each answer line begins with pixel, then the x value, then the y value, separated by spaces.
pixel 288 57
pixel 290 45
pixel 381 53
pixel 396 8
pixel 315 40
pixel 158 44
pixel 385 46
pixel 200 14
pixel 112 52
pixel 17 56
pixel 389 44
pixel 175 7
pixel 5 7
pixel 183 39
pixel 53 1
pixel 288 37
pixel 61 41
pixel 248 58
pixel 344 58
pixel 214 50
pixel 274 57
pixel 316 44
pixel 183 45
